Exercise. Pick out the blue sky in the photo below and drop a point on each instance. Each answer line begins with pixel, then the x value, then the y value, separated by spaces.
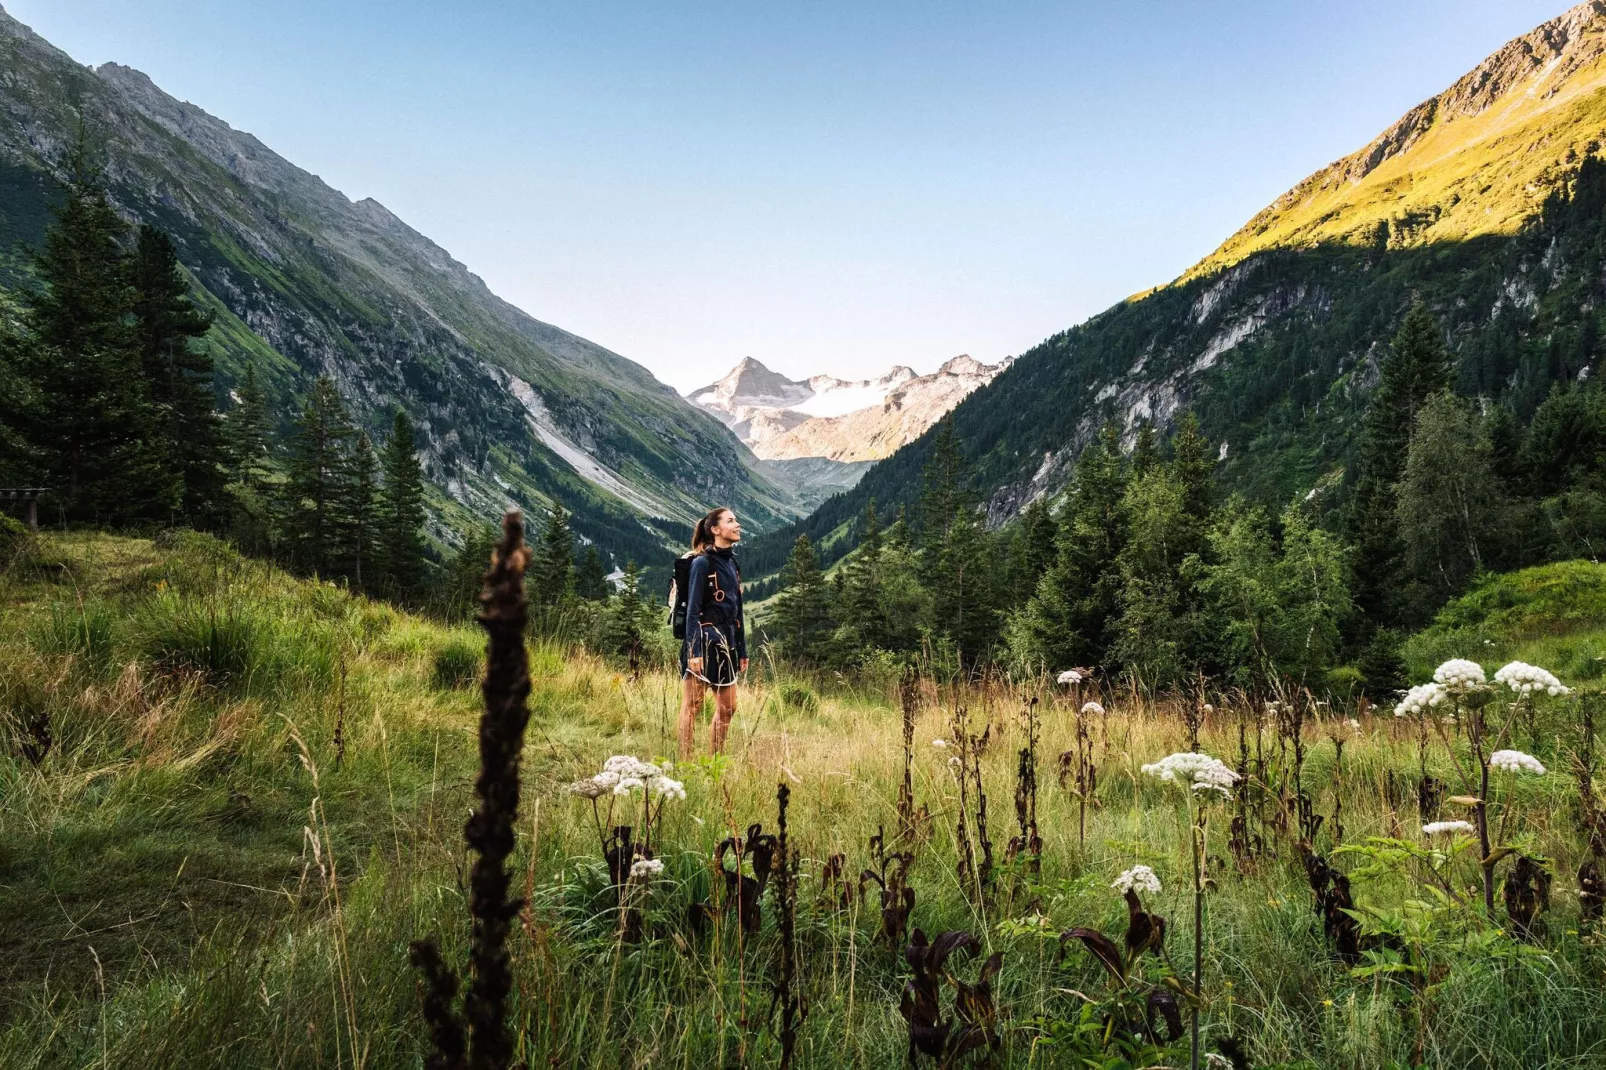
pixel 826 186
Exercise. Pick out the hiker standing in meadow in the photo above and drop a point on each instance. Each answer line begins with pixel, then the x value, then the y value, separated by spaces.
pixel 709 584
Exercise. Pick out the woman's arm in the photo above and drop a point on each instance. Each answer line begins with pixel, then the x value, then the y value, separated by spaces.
pixel 697 587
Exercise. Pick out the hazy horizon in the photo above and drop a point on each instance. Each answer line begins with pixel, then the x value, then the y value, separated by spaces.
pixel 830 191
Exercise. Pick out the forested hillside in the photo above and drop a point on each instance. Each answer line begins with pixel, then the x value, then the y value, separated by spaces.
pixel 302 282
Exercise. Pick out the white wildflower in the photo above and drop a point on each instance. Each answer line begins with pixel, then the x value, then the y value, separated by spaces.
pixel 589 789
pixel 1199 771
pixel 1434 828
pixel 663 786
pixel 628 784
pixel 940 744
pixel 1092 707
pixel 1209 708
pixel 1141 878
pixel 1459 674
pixel 1069 677
pixel 1353 725
pixel 955 762
pixel 1514 761
pixel 1419 698
pixel 646 869
pixel 1527 679
pixel 628 765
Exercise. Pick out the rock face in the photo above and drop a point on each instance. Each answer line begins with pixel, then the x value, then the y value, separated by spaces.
pixel 838 419
pixel 305 282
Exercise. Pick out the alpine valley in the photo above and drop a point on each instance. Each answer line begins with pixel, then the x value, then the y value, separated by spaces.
pixel 303 281
pixel 1484 203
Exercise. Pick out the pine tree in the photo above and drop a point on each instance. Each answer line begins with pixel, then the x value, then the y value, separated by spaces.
pixel 1450 505
pixel 1145 450
pixel 551 582
pixel 1071 617
pixel 864 624
pixel 1415 368
pixel 802 609
pixel 359 513
pixel 178 375
pixel 591 577
pixel 457 586
pixel 401 510
pixel 252 515
pixel 90 430
pixel 319 471
pixel 629 617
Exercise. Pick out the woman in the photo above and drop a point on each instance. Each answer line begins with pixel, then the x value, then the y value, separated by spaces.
pixel 715 650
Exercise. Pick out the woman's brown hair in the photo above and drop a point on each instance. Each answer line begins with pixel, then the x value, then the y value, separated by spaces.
pixel 702 536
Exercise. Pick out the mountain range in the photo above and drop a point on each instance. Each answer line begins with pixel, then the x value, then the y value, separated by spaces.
pixel 1477 203
pixel 838 419
pixel 304 281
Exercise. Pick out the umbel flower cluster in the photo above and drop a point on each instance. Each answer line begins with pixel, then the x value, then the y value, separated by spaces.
pixel 1199 771
pixel 1515 761
pixel 1435 828
pixel 1138 878
pixel 625 773
pixel 1069 677
pixel 1092 707
pixel 1459 674
pixel 1527 679
pixel 1420 698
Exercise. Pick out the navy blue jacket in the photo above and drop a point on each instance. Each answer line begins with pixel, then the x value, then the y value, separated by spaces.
pixel 704 605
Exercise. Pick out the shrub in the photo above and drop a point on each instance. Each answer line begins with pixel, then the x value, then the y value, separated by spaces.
pixel 457 664
pixel 800 698
pixel 14 539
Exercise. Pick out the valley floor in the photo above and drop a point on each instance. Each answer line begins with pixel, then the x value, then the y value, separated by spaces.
pixel 230 799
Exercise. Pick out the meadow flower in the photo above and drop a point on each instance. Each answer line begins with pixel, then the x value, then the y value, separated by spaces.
pixel 628 784
pixel 1141 878
pixel 1515 761
pixel 646 869
pixel 1070 676
pixel 1092 707
pixel 663 786
pixel 1459 674
pixel 590 788
pixel 628 765
pixel 1527 679
pixel 1199 771
pixel 1419 698
pixel 1434 828
pixel 1353 725
pixel 940 744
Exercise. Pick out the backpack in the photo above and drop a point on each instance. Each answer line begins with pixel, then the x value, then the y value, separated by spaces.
pixel 678 592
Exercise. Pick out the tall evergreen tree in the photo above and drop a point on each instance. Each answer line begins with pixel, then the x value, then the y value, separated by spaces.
pixel 319 471
pixel 1071 617
pixel 252 519
pixel 90 431
pixel 864 624
pixel 401 510
pixel 629 617
pixel 803 609
pixel 591 576
pixel 551 582
pixel 1032 550
pixel 1416 367
pixel 178 375
pixel 359 513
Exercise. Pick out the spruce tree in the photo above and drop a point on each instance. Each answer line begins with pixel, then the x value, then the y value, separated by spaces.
pixel 252 518
pixel 1071 617
pixel 401 510
pixel 551 582
pixel 629 617
pixel 178 375
pixel 864 618
pixel 591 576
pixel 359 513
pixel 802 609
pixel 1416 367
pixel 1450 504
pixel 319 471
pixel 90 431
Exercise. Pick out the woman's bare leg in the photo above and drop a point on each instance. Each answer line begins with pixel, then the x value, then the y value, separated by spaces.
pixel 691 700
pixel 724 711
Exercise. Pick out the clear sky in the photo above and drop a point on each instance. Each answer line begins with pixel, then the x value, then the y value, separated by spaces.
pixel 827 186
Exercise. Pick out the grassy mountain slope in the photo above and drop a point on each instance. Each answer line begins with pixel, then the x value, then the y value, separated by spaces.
pixel 308 282
pixel 1274 340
